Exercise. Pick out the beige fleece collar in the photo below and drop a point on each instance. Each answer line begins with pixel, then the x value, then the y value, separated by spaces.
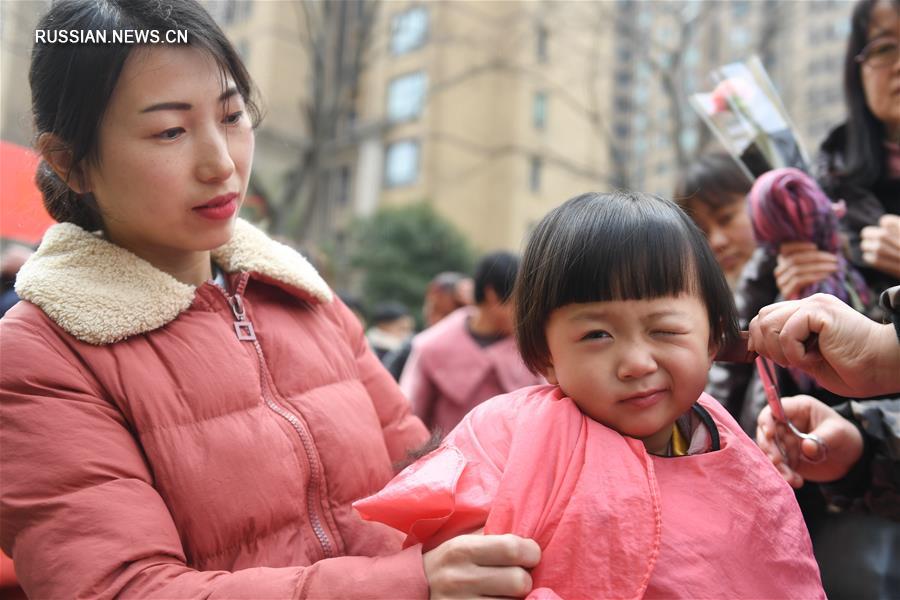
pixel 101 293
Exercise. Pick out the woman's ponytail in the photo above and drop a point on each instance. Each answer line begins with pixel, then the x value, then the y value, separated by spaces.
pixel 63 203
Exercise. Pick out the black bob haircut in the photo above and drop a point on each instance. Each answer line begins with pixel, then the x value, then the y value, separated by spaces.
pixel 498 272
pixel 600 247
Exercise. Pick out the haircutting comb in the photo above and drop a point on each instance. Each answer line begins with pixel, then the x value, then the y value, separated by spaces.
pixel 738 351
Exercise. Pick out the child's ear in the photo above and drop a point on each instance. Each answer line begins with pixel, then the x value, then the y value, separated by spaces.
pixel 550 375
pixel 60 158
pixel 713 350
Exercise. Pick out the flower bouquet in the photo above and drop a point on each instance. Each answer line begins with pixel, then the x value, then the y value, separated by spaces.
pixel 747 116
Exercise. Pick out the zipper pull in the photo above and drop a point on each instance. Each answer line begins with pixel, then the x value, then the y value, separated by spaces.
pixel 242 327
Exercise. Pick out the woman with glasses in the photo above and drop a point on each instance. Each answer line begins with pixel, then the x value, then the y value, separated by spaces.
pixel 860 160
pixel 858 548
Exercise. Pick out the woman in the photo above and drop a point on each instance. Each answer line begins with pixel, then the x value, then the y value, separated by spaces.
pixel 860 160
pixel 859 163
pixel 187 409
pixel 713 192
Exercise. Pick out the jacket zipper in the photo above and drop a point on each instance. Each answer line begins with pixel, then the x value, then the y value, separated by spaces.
pixel 245 333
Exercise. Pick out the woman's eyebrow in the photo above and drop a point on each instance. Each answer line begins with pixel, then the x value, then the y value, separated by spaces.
pixel 880 33
pixel 231 91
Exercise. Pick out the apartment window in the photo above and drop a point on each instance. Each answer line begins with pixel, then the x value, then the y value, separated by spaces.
pixel 406 96
pixel 841 29
pixel 740 9
pixel 225 12
pixel 623 104
pixel 623 77
pixel 246 9
pixel 692 57
pixel 402 163
pixel 539 110
pixel 641 95
pixel 534 173
pixel 342 179
pixel 243 48
pixel 640 146
pixel 639 122
pixel 642 72
pixel 541 36
pixel 409 30
pixel 689 139
pixel 622 130
pixel 666 31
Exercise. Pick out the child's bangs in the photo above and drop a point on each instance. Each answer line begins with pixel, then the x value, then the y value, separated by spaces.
pixel 643 257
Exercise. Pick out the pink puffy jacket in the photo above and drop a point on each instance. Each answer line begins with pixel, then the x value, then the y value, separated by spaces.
pixel 166 441
pixel 448 373
pixel 612 520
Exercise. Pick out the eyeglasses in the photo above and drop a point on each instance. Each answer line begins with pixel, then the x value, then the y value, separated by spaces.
pixel 880 52
pixel 773 396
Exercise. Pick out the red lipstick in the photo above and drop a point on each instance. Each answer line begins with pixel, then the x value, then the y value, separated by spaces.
pixel 218 208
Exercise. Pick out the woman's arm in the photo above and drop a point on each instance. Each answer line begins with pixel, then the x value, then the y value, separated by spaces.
pixel 80 514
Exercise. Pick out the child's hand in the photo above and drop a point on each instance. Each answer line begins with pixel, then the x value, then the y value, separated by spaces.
pixel 880 245
pixel 480 566
pixel 843 439
pixel 801 264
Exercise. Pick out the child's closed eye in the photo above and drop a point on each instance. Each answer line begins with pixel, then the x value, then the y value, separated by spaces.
pixel 668 332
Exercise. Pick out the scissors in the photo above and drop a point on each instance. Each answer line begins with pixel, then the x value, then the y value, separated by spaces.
pixel 737 352
pixel 767 374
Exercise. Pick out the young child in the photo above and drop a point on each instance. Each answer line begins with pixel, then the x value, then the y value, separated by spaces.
pixel 633 482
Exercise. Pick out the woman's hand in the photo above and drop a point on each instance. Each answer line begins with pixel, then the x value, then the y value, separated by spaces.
pixel 841 437
pixel 880 245
pixel 853 356
pixel 478 566
pixel 801 264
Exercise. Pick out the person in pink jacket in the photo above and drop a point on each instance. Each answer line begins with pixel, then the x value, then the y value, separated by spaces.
pixel 186 410
pixel 633 482
pixel 470 355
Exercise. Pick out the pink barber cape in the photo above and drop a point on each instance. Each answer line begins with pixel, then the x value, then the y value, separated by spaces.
pixel 612 520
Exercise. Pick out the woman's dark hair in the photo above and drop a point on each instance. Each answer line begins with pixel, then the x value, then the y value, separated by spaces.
pixel 498 272
pixel 864 152
pixel 71 84
pixel 615 246
pixel 712 179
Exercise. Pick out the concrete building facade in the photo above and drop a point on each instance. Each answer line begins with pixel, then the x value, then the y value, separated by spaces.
pixel 492 111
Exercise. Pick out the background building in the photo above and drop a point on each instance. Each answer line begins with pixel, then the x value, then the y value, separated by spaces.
pixel 491 111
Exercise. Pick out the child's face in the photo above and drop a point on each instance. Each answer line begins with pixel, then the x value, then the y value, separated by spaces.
pixel 633 365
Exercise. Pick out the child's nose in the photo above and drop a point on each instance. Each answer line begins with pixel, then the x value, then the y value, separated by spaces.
pixel 636 361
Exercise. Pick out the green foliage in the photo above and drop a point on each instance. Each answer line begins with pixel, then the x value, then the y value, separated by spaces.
pixel 400 249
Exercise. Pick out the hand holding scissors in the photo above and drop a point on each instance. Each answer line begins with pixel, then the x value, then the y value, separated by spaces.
pixel 843 439
pixel 783 423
